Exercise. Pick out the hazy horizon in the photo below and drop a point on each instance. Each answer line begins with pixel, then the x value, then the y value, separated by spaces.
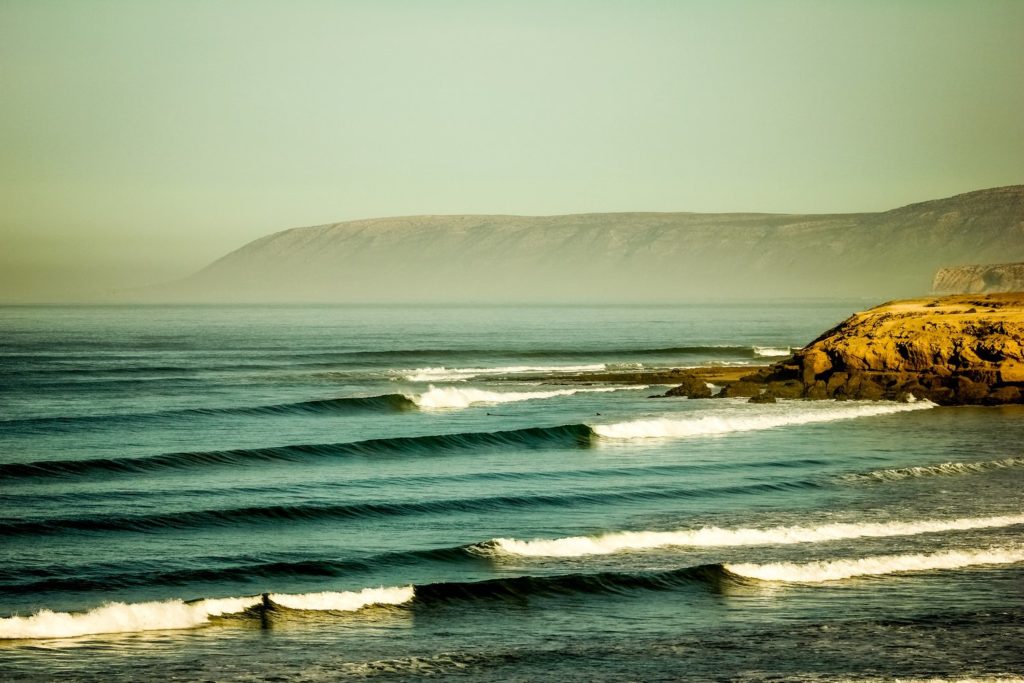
pixel 143 141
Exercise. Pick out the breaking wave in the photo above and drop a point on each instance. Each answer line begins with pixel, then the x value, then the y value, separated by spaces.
pixel 836 570
pixel 119 617
pixel 753 419
pixel 942 470
pixel 578 546
pixel 771 352
pixel 443 374
pixel 453 397
pixel 742 418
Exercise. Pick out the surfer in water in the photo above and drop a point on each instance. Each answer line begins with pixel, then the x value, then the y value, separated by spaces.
pixel 265 607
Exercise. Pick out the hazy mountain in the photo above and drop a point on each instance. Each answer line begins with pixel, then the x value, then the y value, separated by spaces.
pixel 617 257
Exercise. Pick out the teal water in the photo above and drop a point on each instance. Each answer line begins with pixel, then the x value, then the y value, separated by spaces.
pixel 422 498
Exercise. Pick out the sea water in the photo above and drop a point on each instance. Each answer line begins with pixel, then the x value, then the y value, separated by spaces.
pixel 421 492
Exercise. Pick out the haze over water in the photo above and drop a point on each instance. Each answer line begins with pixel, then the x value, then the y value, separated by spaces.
pixel 419 498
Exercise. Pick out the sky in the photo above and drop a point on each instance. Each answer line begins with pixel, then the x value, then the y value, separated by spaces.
pixel 141 140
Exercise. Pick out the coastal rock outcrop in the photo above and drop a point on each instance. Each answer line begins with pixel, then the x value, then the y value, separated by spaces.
pixel 954 350
pixel 1001 277
pixel 690 387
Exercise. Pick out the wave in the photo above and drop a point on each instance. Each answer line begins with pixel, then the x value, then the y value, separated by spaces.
pixel 627 541
pixel 384 402
pixel 565 436
pixel 524 587
pixel 443 374
pixel 942 470
pixel 100 577
pixel 445 397
pixel 743 418
pixel 330 406
pixel 453 397
pixel 753 419
pixel 771 352
pixel 119 617
pixel 836 570
pixel 200 519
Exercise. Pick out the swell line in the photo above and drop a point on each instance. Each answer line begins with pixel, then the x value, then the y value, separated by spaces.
pixel 565 436
pixel 101 578
pixel 198 519
pixel 326 406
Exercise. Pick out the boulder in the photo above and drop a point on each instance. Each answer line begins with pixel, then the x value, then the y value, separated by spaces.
pixel 740 389
pixel 690 387
pixel 789 388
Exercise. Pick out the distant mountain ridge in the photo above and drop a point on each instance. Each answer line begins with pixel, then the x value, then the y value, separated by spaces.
pixel 616 257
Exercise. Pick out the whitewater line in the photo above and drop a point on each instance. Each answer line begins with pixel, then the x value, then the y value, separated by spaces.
pixel 836 570
pixel 120 617
pixel 710 536
pixel 772 352
pixel 747 419
pixel 942 469
pixel 443 374
pixel 453 397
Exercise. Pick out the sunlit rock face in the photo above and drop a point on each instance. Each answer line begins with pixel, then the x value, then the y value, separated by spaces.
pixel 616 258
pixel 966 349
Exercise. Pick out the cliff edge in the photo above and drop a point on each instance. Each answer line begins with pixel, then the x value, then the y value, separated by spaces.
pixel 999 277
pixel 953 350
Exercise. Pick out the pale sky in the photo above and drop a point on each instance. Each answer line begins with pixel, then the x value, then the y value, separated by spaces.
pixel 141 139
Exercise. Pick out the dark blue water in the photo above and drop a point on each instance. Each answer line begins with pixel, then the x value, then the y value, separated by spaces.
pixel 423 493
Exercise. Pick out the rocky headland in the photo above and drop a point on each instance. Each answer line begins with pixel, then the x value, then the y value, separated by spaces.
pixel 953 350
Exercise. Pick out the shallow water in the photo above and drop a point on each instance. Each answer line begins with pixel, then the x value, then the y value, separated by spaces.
pixel 521 529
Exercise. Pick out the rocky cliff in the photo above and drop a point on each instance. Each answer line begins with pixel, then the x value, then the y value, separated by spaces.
pixel 1002 277
pixel 623 257
pixel 966 349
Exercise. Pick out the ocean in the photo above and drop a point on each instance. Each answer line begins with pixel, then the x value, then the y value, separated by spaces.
pixel 422 493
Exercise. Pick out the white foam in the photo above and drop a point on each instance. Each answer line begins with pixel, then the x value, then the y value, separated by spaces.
pixel 998 678
pixel 345 601
pixel 749 418
pixel 443 374
pixel 453 397
pixel 943 469
pixel 120 617
pixel 627 541
pixel 836 570
pixel 772 352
